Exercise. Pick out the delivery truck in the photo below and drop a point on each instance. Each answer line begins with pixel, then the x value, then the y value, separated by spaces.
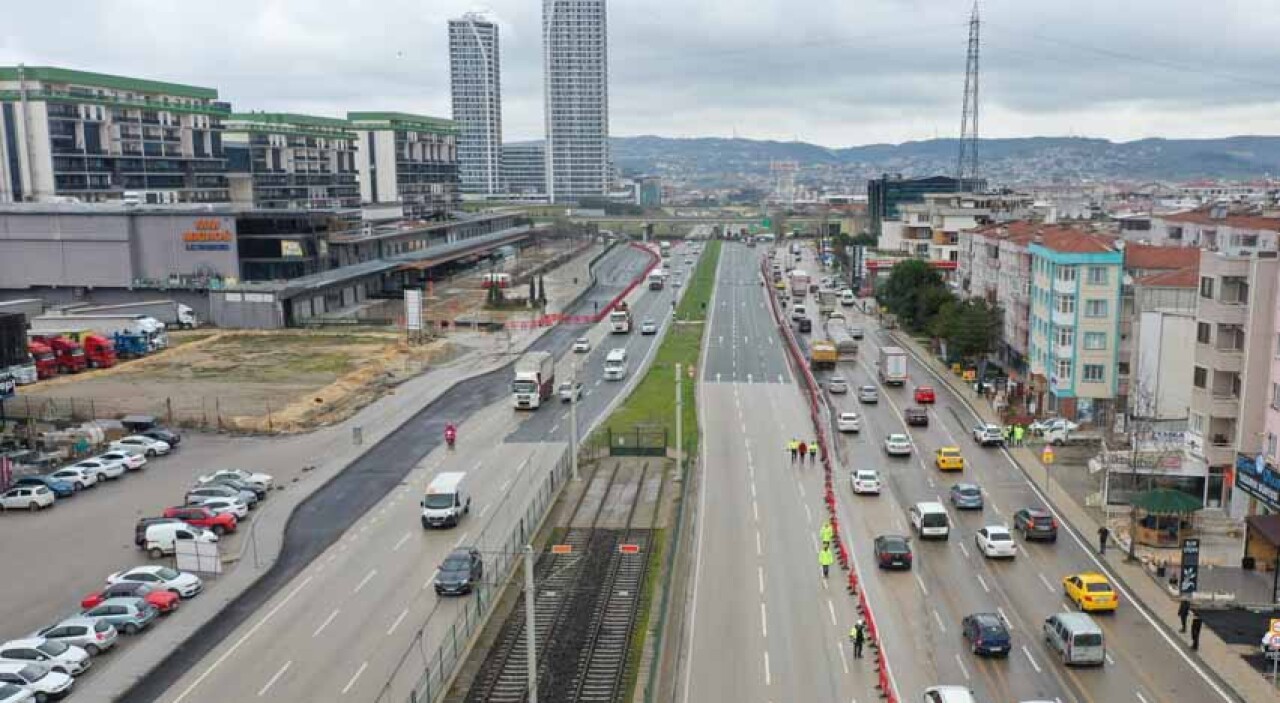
pixel 150 328
pixel 45 360
pixel 799 282
pixel 656 280
pixel 620 319
pixel 892 366
pixel 535 380
pixel 170 312
pixel 822 355
pixel 70 355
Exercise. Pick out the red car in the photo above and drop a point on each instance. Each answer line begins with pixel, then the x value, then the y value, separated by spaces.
pixel 199 516
pixel 164 601
pixel 924 394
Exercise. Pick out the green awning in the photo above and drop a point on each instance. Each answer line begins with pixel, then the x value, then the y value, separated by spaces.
pixel 1166 501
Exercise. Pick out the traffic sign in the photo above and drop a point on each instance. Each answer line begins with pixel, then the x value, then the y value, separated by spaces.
pixel 562 549
pixel 1189 575
pixel 629 548
pixel 1046 456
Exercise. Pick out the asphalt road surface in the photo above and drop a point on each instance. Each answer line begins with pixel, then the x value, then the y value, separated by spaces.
pixel 360 599
pixel 764 624
pixel 919 611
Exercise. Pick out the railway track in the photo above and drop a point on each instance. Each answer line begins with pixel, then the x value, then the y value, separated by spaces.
pixel 586 605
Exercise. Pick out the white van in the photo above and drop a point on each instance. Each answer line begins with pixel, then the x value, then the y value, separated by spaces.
pixel 161 540
pixel 615 365
pixel 446 500
pixel 948 694
pixel 847 298
pixel 930 520
pixel 1076 638
pixel 798 312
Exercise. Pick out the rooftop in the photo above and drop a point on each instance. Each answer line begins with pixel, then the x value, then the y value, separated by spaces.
pixel 51 74
pixel 1188 277
pixel 1067 240
pixel 1205 217
pixel 402 120
pixel 289 122
pixel 1151 257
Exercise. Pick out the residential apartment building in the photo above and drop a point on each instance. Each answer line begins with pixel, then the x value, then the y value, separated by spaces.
pixel 524 171
pixel 281 161
pixel 1158 317
pixel 407 159
pixel 1141 262
pixel 93 137
pixel 995 264
pixel 930 229
pixel 1221 228
pixel 1231 377
pixel 888 193
pixel 1257 476
pixel 575 51
pixel 476 88
pixel 1074 323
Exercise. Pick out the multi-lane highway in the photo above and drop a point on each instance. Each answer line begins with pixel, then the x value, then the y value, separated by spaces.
pixel 919 611
pixel 360 598
pixel 764 624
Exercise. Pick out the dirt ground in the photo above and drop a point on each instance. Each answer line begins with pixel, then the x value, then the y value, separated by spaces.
pixel 281 381
pixel 463 298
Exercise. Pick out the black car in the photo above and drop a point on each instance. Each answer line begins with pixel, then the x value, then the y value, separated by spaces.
pixel 140 529
pixel 1036 524
pixel 986 633
pixel 893 552
pixel 460 572
pixel 805 325
pixel 916 416
pixel 164 435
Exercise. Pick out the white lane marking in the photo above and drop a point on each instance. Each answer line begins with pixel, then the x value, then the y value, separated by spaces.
pixel 922 588
pixel 484 510
pixel 276 677
pixel 941 625
pixel 396 624
pixel 245 638
pixel 352 682
pixel 963 670
pixel 760 578
pixel 461 539
pixel 963 549
pixel 1045 581
pixel 755 510
pixel 1110 661
pixel 982 582
pixel 759 551
pixel 995 508
pixel 831 608
pixel 1033 660
pixel 430 579
pixel 1140 697
pixel 503 487
pixel 764 622
pixel 364 581
pixel 555 427
pixel 843 661
pixel 753 489
pixel 801 487
pixel 401 542
pixel 1007 622
pixel 768 678
pixel 808 514
pixel 598 381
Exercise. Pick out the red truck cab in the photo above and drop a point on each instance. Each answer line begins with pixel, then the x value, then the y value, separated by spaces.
pixel 70 355
pixel 46 362
pixel 99 351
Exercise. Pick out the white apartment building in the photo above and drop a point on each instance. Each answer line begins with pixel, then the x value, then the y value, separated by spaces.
pixel 1215 228
pixel 284 161
pixel 994 264
pixel 575 51
pixel 475 81
pixel 407 159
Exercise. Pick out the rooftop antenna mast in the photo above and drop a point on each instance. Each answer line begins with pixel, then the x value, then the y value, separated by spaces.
pixel 967 160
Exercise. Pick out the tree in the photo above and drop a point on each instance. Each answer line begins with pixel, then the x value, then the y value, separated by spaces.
pixel 972 328
pixel 914 292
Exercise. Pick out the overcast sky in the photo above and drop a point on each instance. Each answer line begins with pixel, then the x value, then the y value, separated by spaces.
pixel 833 72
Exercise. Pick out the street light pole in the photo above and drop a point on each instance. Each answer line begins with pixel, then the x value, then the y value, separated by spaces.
pixel 679 423
pixel 530 625
pixel 573 422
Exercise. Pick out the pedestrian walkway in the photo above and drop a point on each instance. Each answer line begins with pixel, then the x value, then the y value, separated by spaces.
pixel 1217 655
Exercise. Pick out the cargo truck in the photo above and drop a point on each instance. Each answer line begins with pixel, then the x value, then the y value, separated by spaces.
pixel 70 356
pixel 846 346
pixel 826 303
pixel 665 247
pixel 148 327
pixel 822 355
pixel 656 280
pixel 170 312
pixel 799 282
pixel 620 319
pixel 45 360
pixel 535 380
pixel 892 366
pixel 129 345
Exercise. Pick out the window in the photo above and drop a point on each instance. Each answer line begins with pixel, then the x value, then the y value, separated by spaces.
pixel 1097 276
pixel 1200 377
pixel 1066 274
pixel 1271 444
pixel 1095 308
pixel 1066 336
pixel 1196 423
pixel 1095 341
pixel 1065 304
pixel 1122 368
pixel 1206 287
pixel 1275 396
pixel 1202 332
pixel 1064 370
pixel 1093 373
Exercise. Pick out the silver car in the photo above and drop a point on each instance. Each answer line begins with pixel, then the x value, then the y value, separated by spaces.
pixel 198 495
pixel 59 656
pixel 868 394
pixel 92 635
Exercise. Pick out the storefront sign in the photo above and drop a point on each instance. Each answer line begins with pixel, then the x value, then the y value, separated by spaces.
pixel 1255 477
pixel 8 385
pixel 208 234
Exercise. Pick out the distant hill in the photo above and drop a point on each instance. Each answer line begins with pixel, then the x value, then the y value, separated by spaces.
pixel 1027 160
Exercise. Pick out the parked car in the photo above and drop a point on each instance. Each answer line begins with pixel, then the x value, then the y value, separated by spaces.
pixel 162 600
pixel 200 494
pixel 1049 424
pixel 147 445
pixel 131 460
pixel 570 390
pixel 1090 591
pixel 102 468
pixel 1034 524
pixel 61 657
pixel 995 541
pixel 988 435
pixel 837 384
pixel 263 481
pixel 849 422
pixel 79 479
pixel 251 493
pixel 180 582
pixel 140 527
pixel 868 394
pixel 914 416
pixel 93 636
pixel 10 693
pixel 129 615
pixel 199 516
pixel 966 496
pixel 897 445
pixel 44 682
pixel 460 572
pixel 581 345
pixel 162 540
pixel 60 488
pixel 26 498
pixel 234 506
pixel 865 481
pixel 986 633
pixel 163 434
pixel 893 552
pixel 925 395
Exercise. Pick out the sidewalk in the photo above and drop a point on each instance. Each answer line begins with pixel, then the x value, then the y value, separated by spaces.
pixel 1214 653
pixel 327 452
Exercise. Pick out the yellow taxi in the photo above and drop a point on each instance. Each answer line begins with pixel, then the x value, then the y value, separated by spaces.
pixel 1090 591
pixel 780 284
pixel 949 459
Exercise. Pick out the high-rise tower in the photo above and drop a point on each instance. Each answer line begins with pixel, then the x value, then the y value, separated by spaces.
pixel 575 51
pixel 476 85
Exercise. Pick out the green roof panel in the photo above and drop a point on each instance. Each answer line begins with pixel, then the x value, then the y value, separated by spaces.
pixel 403 120
pixel 50 74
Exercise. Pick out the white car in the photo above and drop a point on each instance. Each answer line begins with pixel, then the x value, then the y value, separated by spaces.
pixel 988 433
pixel 10 693
pixel 263 481
pixel 849 422
pixel 865 481
pixel 1053 423
pixel 995 541
pixel 581 345
pixel 184 584
pixel 837 384
pixel 648 327
pixel 102 468
pixel 46 683
pixel 141 443
pixel 569 390
pixel 26 498
pixel 79 479
pixel 897 445
pixel 235 506
pixel 131 460
pixel 59 656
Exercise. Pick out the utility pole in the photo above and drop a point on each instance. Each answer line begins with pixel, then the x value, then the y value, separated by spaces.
pixel 530 625
pixel 679 423
pixel 573 422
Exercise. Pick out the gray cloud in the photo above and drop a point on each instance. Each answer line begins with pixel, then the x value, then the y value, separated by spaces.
pixel 827 71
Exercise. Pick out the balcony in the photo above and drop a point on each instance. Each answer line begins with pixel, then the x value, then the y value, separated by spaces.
pixel 1062 319
pixel 1063 351
pixel 1064 287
